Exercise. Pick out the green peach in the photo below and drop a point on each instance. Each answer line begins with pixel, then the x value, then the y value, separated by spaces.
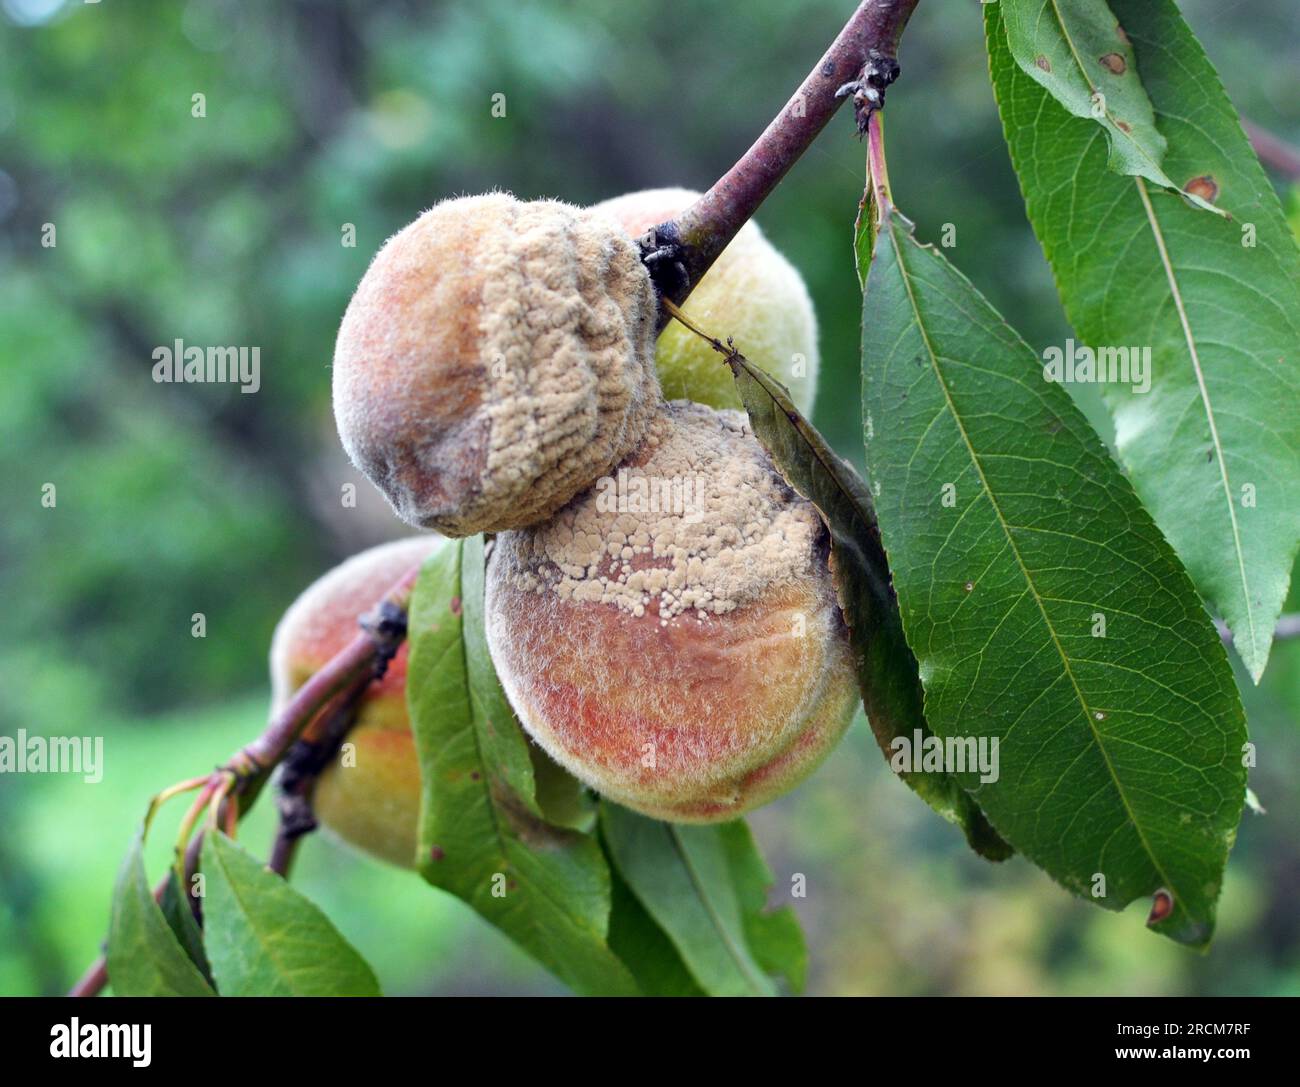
pixel 752 293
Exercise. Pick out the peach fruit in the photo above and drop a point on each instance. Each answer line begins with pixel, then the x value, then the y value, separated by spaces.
pixel 371 799
pixel 496 359
pixel 751 293
pixel 672 637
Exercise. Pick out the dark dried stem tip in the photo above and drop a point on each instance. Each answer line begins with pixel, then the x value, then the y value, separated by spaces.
pixel 860 64
pixel 300 770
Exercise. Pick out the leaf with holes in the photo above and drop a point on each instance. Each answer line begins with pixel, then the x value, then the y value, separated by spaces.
pixel 1046 611
pixel 1198 317
pixel 483 835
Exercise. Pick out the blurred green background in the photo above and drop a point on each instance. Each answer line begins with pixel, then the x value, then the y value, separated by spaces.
pixel 177 499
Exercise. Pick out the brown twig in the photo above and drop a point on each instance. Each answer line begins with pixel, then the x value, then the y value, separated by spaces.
pixel 296 782
pixel 92 982
pixel 859 64
pixel 341 680
pixel 1273 152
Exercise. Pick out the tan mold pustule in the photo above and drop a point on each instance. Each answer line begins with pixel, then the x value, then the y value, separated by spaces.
pixel 696 521
pixel 497 358
pixel 672 636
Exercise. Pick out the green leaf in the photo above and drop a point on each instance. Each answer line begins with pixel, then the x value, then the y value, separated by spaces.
pixel 482 833
pixel 1012 536
pixel 144 956
pixel 864 234
pixel 1213 447
pixel 682 876
pixel 263 938
pixel 1078 52
pixel 774 936
pixel 887 670
pixel 563 799
pixel 644 947
pixel 180 918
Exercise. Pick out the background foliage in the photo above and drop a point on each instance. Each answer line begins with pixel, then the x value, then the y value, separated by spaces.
pixel 182 499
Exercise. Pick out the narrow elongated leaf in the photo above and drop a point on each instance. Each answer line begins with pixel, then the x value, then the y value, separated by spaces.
pixel 682 876
pixel 175 907
pixel 144 956
pixel 264 938
pixel 774 936
pixel 564 801
pixel 1045 609
pixel 1209 430
pixel 1081 56
pixel 887 670
pixel 643 946
pixel 482 833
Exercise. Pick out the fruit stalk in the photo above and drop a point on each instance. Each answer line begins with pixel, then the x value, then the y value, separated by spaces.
pixel 860 63
pixel 297 782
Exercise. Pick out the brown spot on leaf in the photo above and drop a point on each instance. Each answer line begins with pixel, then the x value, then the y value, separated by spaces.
pixel 455 605
pixel 1121 34
pixel 1162 905
pixel 1124 126
pixel 436 853
pixel 474 775
pixel 1114 63
pixel 1204 186
pixel 532 831
pixel 1043 62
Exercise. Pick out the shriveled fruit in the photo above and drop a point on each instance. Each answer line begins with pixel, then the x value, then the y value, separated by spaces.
pixel 496 359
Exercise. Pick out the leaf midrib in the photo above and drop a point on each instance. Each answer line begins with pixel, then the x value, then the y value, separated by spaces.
pixel 268 947
pixel 1195 357
pixel 728 941
pixel 1029 581
pixel 1078 60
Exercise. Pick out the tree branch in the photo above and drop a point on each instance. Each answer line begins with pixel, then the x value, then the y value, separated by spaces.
pixel 1273 152
pixel 339 683
pixel 860 64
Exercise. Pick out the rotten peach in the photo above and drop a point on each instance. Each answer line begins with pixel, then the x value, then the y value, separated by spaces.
pixel 672 637
pixel 496 359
